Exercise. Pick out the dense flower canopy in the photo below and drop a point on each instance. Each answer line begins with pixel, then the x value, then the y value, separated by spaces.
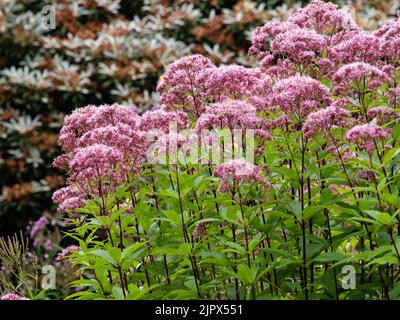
pixel 300 172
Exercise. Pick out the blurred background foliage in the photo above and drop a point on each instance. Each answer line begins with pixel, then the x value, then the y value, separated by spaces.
pixel 105 51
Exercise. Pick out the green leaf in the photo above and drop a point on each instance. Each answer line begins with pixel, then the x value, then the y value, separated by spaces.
pixel 382 217
pixel 383 260
pixel 327 197
pixel 85 283
pixel 246 274
pixel 230 214
pixel 168 193
pixel 389 198
pixel 390 155
pixel 329 257
pixel 104 255
pixel 294 207
pixel 130 250
pixel 117 213
pixel 185 249
pixel 253 243
pixel 236 247
pixel 117 293
pixel 86 295
pixel 310 212
pixel 121 193
pixel 173 216
pixel 394 294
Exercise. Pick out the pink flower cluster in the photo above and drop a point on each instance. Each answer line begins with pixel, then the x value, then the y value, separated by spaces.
pixel 67 252
pixel 238 171
pixel 38 225
pixel 183 85
pixel 12 296
pixel 85 119
pixel 326 119
pixel 299 45
pixel 365 136
pixel 233 114
pixel 300 96
pixel 238 83
pixel 69 198
pixel 199 230
pixel 361 46
pixel 306 37
pixel 349 77
pixel 390 35
pixel 366 175
pixel 192 82
pixel 102 145
pixel 321 35
pixel 324 17
pixel 161 119
pixel 262 35
pixel 382 114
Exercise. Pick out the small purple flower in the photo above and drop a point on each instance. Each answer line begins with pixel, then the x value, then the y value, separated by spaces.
pixel 12 296
pixel 63 255
pixel 368 175
pixel 133 107
pixel 38 226
pixel 48 245
pixel 199 230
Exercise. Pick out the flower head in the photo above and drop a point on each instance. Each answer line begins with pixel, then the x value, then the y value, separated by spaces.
pixel 63 255
pixel 237 83
pixel 300 95
pixel 262 36
pixel 183 85
pixel 87 118
pixel 364 136
pixel 160 119
pixel 12 296
pixel 126 139
pixel 299 45
pixel 69 198
pixel 382 114
pixel 199 230
pixel 368 175
pixel 326 119
pixel 38 225
pixel 324 17
pixel 75 125
pixel 348 77
pixel 48 245
pixel 360 47
pixel 236 171
pixel 96 156
pixel 233 114
pixel 390 35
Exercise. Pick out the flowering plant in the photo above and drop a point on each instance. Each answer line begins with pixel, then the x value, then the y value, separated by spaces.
pixel 271 178
pixel 57 55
